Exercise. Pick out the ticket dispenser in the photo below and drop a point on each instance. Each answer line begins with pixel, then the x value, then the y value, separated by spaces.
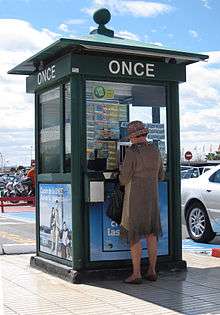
pixel 87 90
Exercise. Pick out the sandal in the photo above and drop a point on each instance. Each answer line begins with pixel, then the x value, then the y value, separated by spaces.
pixel 133 281
pixel 152 277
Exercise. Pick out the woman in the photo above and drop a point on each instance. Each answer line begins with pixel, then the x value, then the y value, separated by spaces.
pixel 141 170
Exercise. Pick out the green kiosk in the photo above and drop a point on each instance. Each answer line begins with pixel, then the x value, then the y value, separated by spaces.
pixel 86 91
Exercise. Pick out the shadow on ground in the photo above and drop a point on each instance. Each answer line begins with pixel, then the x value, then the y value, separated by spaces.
pixel 194 292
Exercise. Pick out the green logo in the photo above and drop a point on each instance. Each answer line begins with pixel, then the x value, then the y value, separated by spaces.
pixel 99 91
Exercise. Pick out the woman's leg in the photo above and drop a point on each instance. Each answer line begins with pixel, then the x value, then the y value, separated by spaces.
pixel 152 253
pixel 136 249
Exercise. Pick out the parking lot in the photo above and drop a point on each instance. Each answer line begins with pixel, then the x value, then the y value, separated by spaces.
pixel 17 234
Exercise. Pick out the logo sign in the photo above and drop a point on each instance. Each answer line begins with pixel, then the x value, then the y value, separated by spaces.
pixel 188 155
pixel 100 92
pixel 46 75
pixel 130 68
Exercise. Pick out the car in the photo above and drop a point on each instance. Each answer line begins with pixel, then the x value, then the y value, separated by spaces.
pixel 190 172
pixel 201 205
pixel 194 171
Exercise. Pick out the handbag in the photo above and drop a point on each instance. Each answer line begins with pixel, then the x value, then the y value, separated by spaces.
pixel 114 210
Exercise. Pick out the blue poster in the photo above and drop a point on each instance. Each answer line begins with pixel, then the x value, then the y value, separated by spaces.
pixel 105 241
pixel 56 219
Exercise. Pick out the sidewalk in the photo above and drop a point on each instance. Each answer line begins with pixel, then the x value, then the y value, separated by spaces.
pixel 26 291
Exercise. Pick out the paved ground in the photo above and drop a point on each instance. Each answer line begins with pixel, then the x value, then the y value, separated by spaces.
pixel 26 291
pixel 17 230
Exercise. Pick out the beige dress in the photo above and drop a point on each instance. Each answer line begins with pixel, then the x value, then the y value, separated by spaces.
pixel 141 170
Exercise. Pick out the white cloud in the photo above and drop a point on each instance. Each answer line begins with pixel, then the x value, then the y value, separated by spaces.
pixel 156 43
pixel 200 103
pixel 135 8
pixel 65 26
pixel 128 35
pixel 19 41
pixel 75 22
pixel 193 33
pixel 205 3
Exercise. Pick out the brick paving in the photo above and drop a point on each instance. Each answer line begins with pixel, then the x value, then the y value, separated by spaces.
pixel 27 291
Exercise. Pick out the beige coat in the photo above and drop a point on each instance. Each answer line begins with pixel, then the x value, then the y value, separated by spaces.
pixel 141 170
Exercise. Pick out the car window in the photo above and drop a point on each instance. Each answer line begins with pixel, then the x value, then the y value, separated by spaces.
pixel 215 178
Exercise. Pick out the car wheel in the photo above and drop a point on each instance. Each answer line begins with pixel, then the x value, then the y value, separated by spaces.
pixel 198 224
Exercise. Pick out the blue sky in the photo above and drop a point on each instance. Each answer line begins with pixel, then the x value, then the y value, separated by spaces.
pixel 27 26
pixel 188 25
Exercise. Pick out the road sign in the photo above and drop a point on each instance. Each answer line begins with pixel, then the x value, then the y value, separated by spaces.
pixel 188 155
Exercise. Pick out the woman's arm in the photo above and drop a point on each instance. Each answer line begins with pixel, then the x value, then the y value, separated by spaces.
pixel 127 169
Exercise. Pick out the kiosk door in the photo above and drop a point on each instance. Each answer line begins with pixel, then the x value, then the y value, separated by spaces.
pixel 110 106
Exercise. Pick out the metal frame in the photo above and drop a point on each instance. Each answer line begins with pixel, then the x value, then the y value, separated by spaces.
pixel 170 148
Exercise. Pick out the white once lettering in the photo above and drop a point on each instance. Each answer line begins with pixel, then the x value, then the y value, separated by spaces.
pixel 150 70
pixel 39 79
pixel 127 68
pixel 53 72
pixel 140 65
pixel 48 74
pixel 111 64
pixel 44 75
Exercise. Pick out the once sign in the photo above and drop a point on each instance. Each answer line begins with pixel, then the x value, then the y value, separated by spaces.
pixel 131 68
pixel 188 155
pixel 46 75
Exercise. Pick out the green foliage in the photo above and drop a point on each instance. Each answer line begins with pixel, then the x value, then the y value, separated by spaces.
pixel 213 156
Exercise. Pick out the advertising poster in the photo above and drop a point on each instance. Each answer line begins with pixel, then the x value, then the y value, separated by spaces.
pixel 105 241
pixel 56 220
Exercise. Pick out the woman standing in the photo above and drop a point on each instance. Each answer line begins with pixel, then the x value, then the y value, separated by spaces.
pixel 141 170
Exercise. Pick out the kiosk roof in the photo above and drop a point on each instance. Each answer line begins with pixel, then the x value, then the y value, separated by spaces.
pixel 102 43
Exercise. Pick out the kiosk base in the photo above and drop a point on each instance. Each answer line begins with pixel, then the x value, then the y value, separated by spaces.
pixel 83 276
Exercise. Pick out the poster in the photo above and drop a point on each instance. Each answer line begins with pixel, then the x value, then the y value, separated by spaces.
pixel 56 220
pixel 105 241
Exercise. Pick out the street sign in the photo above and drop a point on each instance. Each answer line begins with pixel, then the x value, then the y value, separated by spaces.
pixel 188 155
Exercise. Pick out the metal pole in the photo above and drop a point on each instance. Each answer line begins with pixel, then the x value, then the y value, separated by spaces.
pixel 2 161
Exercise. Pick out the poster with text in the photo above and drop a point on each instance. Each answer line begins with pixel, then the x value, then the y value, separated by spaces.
pixel 56 220
pixel 105 240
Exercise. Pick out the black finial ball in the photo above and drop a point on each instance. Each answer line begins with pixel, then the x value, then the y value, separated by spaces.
pixel 102 16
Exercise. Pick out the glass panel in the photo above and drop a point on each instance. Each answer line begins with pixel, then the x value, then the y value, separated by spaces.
pixel 110 106
pixel 50 131
pixel 67 113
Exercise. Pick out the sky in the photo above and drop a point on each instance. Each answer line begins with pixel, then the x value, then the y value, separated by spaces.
pixel 27 26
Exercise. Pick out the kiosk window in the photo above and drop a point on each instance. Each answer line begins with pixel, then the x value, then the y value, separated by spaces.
pixel 67 111
pixel 50 131
pixel 110 107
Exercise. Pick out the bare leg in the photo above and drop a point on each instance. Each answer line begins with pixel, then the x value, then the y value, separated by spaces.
pixel 136 250
pixel 152 253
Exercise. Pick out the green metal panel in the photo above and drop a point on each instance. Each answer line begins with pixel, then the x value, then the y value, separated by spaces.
pixel 37 137
pixel 50 74
pixel 54 178
pixel 174 160
pixel 62 127
pixel 77 211
pixel 139 68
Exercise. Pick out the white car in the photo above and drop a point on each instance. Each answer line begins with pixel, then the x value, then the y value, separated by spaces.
pixel 201 205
